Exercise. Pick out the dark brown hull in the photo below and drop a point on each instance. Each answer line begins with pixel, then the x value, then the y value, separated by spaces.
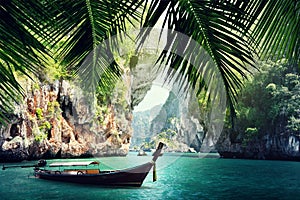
pixel 127 177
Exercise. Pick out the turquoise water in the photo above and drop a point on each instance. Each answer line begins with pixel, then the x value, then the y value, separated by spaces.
pixel 179 177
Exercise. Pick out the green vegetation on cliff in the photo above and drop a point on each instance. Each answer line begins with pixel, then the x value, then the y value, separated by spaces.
pixel 269 103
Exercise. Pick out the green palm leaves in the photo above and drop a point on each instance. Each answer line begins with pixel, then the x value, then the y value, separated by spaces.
pixel 278 29
pixel 216 25
pixel 83 26
pixel 19 46
pixel 233 33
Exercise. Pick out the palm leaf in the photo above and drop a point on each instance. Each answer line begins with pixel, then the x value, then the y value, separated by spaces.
pixel 220 27
pixel 84 25
pixel 278 29
pixel 20 46
pixel 232 32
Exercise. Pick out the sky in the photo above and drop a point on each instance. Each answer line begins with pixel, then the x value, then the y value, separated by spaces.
pixel 155 96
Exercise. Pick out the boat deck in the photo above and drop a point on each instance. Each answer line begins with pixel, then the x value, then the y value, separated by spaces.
pixel 77 171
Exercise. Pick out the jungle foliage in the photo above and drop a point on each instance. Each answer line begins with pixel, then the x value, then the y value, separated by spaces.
pixel 269 102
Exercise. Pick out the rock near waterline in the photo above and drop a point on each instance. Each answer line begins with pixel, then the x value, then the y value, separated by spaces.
pixel 58 121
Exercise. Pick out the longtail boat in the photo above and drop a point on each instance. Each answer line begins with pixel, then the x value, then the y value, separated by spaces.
pixel 88 172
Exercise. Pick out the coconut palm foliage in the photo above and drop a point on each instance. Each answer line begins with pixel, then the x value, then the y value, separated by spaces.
pixel 19 45
pixel 232 32
pixel 65 30
pixel 84 25
pixel 278 29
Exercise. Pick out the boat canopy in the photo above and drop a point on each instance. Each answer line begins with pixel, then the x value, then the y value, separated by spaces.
pixel 67 164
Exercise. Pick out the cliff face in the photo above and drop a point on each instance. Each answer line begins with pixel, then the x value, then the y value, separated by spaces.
pixel 270 146
pixel 58 121
pixel 141 123
pixel 143 73
pixel 178 115
pixel 267 125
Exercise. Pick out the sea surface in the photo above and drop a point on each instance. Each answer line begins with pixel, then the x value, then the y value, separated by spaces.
pixel 179 176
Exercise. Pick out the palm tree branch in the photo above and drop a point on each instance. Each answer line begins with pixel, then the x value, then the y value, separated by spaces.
pixel 278 29
pixel 22 46
pixel 222 29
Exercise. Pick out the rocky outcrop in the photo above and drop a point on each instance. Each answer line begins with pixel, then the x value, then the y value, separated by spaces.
pixel 267 124
pixel 142 75
pixel 141 125
pixel 190 132
pixel 178 114
pixel 270 147
pixel 58 121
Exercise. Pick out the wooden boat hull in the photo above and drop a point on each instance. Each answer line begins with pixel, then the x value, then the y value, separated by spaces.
pixel 127 177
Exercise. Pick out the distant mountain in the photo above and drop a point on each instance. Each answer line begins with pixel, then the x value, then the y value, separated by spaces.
pixel 175 116
pixel 141 123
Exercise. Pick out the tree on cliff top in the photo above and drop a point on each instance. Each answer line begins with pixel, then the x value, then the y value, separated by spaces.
pixel 232 32
pixel 269 103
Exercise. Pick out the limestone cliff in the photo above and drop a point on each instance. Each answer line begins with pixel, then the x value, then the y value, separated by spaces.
pixel 267 125
pixel 178 115
pixel 141 123
pixel 269 146
pixel 58 121
pixel 143 72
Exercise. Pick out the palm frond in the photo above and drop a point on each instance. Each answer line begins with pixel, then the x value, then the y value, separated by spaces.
pixel 84 25
pixel 231 32
pixel 278 29
pixel 20 45
pixel 220 27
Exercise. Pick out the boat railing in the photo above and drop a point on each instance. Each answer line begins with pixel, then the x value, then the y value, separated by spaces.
pixel 81 171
